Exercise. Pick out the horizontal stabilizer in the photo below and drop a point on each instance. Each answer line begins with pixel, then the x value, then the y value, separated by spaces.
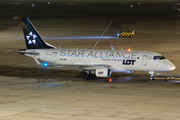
pixel 23 52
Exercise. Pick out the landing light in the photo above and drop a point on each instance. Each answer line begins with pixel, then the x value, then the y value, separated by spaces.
pixel 45 64
pixel 129 50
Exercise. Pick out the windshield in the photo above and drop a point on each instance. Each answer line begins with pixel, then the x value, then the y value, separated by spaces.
pixel 159 57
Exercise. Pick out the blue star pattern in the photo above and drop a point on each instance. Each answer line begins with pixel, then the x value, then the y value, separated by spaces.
pixel 31 38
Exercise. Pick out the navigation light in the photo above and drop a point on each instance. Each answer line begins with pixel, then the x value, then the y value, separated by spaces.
pixel 45 64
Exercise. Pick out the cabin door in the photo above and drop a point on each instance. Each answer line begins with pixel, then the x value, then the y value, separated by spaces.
pixel 54 56
pixel 145 60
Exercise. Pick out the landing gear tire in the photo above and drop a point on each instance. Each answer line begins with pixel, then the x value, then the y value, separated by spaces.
pixel 88 74
pixel 152 78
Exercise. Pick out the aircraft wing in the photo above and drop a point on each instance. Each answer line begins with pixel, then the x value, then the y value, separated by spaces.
pixel 88 67
pixel 84 66
pixel 92 67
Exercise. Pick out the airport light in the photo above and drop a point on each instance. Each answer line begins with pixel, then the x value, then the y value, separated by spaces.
pixel 87 37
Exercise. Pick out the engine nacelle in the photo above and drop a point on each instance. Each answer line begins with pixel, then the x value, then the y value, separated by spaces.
pixel 103 72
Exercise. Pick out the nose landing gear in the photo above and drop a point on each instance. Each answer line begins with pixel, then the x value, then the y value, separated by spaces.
pixel 152 75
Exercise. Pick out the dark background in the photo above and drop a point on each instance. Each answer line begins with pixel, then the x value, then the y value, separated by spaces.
pixel 161 9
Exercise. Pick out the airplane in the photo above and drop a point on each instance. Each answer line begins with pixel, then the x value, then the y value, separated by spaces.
pixel 102 63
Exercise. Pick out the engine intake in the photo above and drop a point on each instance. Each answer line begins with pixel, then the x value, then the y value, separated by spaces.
pixel 103 72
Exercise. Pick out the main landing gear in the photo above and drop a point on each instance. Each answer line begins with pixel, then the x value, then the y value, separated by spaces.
pixel 88 74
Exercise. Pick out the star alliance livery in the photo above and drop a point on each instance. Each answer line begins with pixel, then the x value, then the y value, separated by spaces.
pixel 99 62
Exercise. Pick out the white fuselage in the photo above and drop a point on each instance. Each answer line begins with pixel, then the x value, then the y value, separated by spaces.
pixel 116 60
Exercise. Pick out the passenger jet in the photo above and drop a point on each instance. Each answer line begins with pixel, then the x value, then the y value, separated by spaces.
pixel 99 62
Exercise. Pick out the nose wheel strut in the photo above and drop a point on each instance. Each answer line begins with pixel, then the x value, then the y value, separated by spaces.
pixel 152 75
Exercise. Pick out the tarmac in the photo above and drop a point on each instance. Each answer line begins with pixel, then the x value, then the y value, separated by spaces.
pixel 31 92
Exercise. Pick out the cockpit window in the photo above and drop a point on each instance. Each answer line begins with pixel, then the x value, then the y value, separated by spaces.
pixel 159 57
pixel 162 57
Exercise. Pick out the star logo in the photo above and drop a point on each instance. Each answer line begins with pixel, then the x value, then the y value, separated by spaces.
pixel 31 38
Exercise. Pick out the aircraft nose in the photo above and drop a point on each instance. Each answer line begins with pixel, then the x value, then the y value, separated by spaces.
pixel 171 66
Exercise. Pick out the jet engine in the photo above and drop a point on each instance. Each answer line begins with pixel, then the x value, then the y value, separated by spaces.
pixel 103 72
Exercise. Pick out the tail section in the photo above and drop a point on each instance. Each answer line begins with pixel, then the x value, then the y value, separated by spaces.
pixel 32 37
